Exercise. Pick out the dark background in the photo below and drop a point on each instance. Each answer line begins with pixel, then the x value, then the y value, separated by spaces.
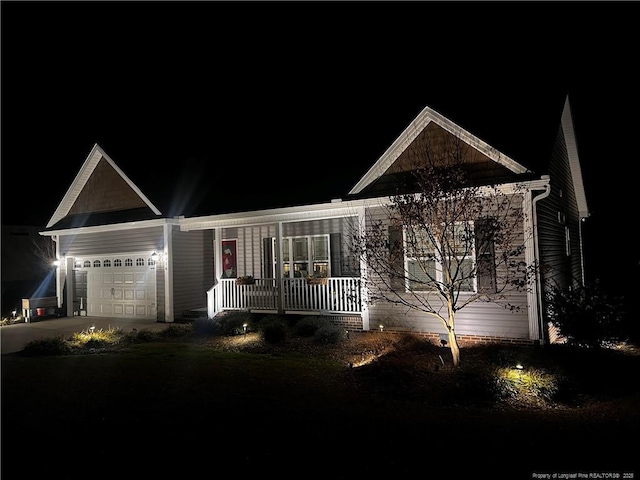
pixel 219 106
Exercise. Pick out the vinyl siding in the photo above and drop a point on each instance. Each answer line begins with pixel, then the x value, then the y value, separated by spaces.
pixel 558 210
pixel 250 242
pixel 193 269
pixel 79 245
pixel 123 241
pixel 479 318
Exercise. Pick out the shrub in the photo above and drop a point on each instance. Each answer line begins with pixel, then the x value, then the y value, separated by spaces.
pixel 586 315
pixel 141 336
pixel 329 334
pixel 308 326
pixel 274 330
pixel 232 323
pixel 205 326
pixel 47 346
pixel 175 331
pixel 525 386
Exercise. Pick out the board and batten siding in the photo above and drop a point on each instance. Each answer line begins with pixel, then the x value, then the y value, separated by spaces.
pixel 482 318
pixel 250 240
pixel 341 230
pixel 192 268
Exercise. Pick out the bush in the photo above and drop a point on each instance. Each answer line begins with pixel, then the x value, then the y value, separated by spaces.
pixel 329 334
pixel 175 331
pixel 47 346
pixel 586 315
pixel 205 326
pixel 308 326
pixel 274 330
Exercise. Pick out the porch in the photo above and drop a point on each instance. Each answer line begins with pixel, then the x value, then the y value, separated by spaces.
pixel 339 295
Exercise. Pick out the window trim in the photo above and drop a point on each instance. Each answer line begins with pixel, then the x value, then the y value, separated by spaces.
pixel 468 257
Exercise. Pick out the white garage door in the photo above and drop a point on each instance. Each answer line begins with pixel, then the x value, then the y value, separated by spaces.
pixel 121 286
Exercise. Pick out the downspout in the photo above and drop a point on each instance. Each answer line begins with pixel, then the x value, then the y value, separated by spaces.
pixel 534 202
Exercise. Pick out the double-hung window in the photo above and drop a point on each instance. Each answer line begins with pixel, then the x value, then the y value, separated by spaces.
pixel 441 259
pixel 308 255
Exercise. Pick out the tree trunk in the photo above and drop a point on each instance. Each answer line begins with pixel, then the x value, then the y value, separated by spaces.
pixel 455 349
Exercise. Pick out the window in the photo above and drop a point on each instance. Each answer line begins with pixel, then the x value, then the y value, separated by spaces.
pixel 117 262
pixel 128 262
pixel 427 264
pixel 139 262
pixel 305 256
pixel 87 263
pixel 485 255
pixel 106 262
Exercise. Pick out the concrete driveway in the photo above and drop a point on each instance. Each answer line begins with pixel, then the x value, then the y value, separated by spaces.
pixel 15 337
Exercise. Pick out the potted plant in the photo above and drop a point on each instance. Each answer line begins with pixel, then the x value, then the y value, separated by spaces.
pixel 316 279
pixel 245 280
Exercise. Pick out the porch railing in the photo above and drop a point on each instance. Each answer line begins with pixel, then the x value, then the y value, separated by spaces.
pixel 338 295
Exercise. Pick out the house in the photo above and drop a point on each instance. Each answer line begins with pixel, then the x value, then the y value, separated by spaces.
pixel 120 257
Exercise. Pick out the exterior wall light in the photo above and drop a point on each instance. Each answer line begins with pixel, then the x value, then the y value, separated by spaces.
pixel 155 256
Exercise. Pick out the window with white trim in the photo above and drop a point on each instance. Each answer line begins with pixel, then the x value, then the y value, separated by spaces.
pixel 425 262
pixel 307 255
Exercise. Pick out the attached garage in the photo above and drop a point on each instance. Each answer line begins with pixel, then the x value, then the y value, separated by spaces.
pixel 118 286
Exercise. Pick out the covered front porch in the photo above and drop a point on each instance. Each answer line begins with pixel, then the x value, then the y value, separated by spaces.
pixel 295 260
pixel 339 295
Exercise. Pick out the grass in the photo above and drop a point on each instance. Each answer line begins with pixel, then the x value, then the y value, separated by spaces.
pixel 311 402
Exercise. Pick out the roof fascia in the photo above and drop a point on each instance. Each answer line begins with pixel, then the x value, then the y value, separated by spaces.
pixel 81 180
pixel 410 133
pixel 261 217
pixel 111 228
pixel 574 161
pixel 322 211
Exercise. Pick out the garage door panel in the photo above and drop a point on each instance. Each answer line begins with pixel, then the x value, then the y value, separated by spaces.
pixel 126 291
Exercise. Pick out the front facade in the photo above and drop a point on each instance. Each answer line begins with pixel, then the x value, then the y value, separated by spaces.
pixel 119 257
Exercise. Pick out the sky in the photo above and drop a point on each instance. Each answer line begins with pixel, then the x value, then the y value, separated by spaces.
pixel 218 106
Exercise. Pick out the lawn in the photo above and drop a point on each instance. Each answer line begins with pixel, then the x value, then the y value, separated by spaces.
pixel 371 405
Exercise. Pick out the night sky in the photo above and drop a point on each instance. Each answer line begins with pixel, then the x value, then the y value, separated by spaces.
pixel 211 107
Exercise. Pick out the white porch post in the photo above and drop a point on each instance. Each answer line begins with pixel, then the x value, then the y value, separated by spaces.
pixel 279 278
pixel 168 273
pixel 70 280
pixel 364 294
pixel 217 273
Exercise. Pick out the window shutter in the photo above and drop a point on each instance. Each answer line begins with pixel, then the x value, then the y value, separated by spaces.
pixel 396 258
pixel 267 257
pixel 335 246
pixel 485 256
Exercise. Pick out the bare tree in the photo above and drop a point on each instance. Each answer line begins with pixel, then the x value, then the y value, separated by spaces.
pixel 446 238
pixel 44 251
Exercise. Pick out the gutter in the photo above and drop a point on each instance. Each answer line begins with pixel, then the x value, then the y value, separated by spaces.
pixel 545 194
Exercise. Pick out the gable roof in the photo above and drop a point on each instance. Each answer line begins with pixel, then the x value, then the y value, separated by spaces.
pixel 100 187
pixel 574 161
pixel 427 119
